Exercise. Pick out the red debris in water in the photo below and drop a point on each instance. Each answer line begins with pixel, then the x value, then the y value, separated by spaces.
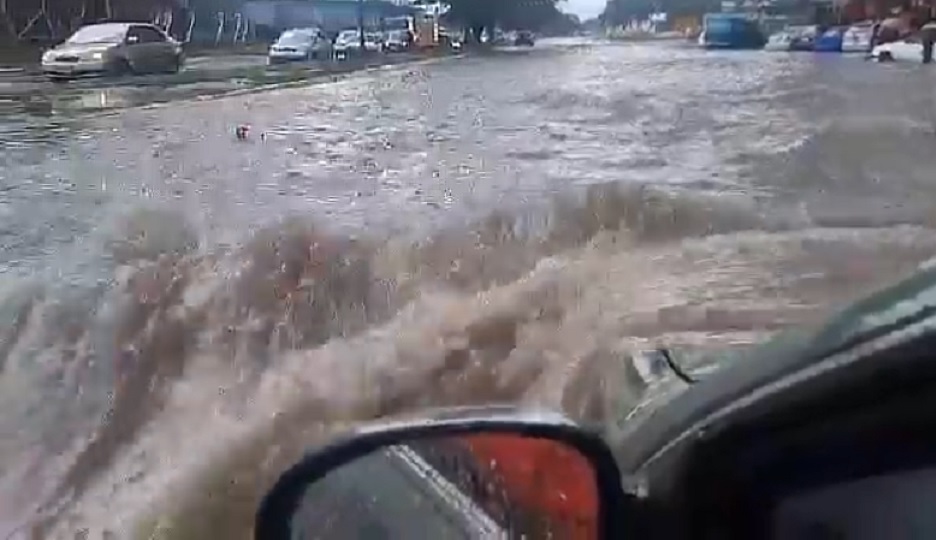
pixel 241 132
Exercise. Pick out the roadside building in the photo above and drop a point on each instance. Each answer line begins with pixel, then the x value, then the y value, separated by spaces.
pixel 330 15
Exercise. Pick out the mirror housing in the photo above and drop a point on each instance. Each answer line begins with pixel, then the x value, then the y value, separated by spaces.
pixel 617 513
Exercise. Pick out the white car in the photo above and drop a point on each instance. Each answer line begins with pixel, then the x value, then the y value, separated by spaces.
pixel 300 44
pixel 373 41
pixel 781 41
pixel 396 41
pixel 905 50
pixel 858 38
pixel 348 43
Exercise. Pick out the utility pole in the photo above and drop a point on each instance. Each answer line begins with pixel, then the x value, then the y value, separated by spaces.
pixel 360 18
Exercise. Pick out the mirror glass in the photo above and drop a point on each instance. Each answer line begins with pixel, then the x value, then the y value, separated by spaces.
pixel 485 485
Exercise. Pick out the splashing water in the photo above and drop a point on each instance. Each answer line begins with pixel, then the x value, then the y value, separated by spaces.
pixel 155 386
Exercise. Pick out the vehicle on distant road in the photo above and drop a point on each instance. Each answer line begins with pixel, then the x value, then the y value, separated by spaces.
pixel 909 49
pixel 858 38
pixel 451 40
pixel 524 38
pixel 805 39
pixel 781 41
pixel 114 49
pixel 373 41
pixel 830 40
pixel 348 43
pixel 299 44
pixel 792 38
pixel 397 41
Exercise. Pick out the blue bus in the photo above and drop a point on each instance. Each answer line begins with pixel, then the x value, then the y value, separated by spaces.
pixel 731 31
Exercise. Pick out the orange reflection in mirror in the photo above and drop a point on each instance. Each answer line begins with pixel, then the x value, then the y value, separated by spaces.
pixel 547 477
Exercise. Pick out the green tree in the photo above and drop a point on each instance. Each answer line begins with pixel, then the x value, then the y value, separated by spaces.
pixel 480 15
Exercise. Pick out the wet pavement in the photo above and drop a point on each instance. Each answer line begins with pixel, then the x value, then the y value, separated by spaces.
pixel 155 297
pixel 202 76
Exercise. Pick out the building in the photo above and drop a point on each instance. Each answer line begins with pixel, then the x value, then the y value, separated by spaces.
pixel 273 16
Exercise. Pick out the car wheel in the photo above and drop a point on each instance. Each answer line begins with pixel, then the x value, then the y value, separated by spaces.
pixel 176 65
pixel 885 56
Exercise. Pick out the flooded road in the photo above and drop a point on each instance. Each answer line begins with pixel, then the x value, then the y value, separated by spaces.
pixel 183 312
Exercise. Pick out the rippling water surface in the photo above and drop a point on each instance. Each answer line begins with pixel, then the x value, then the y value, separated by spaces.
pixel 182 312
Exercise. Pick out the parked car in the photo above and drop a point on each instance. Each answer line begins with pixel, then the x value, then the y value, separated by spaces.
pixel 397 40
pixel 781 41
pixel 909 49
pixel 348 43
pixel 114 49
pixel 524 38
pixel 858 38
pixel 792 38
pixel 373 41
pixel 830 40
pixel 450 39
pixel 805 39
pixel 300 44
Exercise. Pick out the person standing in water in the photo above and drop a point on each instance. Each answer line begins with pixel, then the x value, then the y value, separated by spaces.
pixel 928 37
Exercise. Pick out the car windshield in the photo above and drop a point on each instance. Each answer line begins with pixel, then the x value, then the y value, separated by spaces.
pixel 348 35
pixel 295 37
pixel 100 33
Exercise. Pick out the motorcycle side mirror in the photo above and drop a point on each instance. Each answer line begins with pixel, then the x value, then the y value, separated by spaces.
pixel 456 473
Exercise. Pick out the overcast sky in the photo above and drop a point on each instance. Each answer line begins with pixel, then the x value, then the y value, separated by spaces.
pixel 584 8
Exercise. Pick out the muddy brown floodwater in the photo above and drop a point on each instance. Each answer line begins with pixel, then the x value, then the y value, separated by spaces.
pixel 181 312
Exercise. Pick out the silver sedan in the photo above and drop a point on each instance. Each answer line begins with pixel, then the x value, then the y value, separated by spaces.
pixel 114 48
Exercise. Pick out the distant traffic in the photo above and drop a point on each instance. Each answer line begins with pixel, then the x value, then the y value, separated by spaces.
pixel 891 39
pixel 117 49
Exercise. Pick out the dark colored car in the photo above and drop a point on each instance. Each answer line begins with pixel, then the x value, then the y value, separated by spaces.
pixel 524 39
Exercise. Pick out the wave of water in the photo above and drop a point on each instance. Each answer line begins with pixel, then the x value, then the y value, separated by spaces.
pixel 199 376
pixel 158 395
